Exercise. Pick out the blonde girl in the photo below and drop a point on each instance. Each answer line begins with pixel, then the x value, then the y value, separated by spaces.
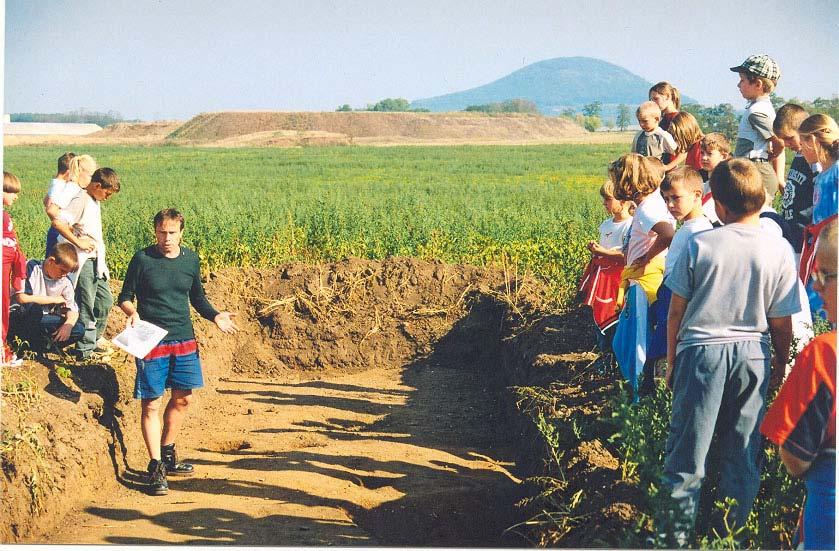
pixel 61 192
pixel 636 178
pixel 819 136
pixel 685 130
pixel 82 168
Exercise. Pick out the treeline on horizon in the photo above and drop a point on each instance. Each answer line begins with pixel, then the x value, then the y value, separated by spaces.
pixel 72 117
pixel 714 118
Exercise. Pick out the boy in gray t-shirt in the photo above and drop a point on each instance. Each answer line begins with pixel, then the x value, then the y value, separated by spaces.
pixel 734 290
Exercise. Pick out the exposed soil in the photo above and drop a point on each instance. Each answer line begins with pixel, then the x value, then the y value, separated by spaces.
pixel 305 129
pixel 363 402
pixel 257 126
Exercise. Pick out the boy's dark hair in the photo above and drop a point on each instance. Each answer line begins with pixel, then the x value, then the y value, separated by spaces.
pixel 686 175
pixel 64 162
pixel 11 183
pixel 716 141
pixel 737 184
pixel 106 178
pixel 65 255
pixel 788 118
pixel 168 214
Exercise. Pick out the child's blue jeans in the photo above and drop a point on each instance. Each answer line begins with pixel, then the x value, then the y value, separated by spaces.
pixel 820 507
pixel 718 387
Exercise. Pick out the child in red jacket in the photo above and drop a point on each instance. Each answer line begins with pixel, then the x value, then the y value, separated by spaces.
pixel 14 262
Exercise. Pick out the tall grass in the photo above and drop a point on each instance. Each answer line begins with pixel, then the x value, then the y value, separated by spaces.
pixel 261 207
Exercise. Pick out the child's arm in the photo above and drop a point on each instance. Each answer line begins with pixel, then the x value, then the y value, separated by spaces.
pixel 73 213
pixel 676 161
pixel 779 164
pixel 63 333
pixel 664 231
pixel 678 305
pixel 24 298
pixel 82 242
pixel 599 250
pixel 51 208
pixel 780 331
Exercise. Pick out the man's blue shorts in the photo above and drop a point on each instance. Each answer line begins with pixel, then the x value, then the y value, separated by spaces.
pixel 170 364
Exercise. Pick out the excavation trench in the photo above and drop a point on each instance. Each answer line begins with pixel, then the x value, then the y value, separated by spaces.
pixel 364 402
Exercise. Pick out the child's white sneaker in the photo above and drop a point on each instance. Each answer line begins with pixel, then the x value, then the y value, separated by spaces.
pixel 12 361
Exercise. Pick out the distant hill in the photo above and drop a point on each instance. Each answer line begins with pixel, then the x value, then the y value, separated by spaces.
pixel 554 85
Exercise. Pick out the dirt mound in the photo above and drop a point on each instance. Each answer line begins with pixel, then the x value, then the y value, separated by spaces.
pixel 260 127
pixel 357 314
pixel 154 130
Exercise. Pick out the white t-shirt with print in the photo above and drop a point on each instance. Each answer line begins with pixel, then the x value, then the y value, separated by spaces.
pixel 612 233
pixel 648 213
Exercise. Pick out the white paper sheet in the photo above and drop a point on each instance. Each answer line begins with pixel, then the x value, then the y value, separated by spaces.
pixel 140 339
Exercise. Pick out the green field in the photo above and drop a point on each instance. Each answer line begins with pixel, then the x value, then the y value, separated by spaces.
pixel 262 207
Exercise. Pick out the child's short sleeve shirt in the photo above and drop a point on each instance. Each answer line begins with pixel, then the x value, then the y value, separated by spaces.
pixel 38 284
pixel 85 213
pixel 650 212
pixel 654 144
pixel 797 202
pixel 802 419
pixel 680 240
pixel 612 233
pixel 61 192
pixel 826 194
pixel 755 129
pixel 723 304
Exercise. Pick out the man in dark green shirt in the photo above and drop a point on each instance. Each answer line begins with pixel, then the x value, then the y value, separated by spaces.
pixel 165 278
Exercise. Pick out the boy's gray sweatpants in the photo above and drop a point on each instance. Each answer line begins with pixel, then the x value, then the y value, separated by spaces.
pixel 94 298
pixel 722 386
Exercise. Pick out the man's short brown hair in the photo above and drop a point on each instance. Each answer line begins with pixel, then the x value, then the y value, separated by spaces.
pixel 788 118
pixel 737 184
pixel 106 178
pixel 65 254
pixel 168 214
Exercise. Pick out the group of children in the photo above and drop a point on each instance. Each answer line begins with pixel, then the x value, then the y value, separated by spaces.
pixel 65 298
pixel 714 294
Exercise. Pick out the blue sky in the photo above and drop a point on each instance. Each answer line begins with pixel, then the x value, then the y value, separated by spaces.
pixel 154 59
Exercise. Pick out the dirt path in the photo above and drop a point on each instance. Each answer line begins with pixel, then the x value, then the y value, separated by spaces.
pixel 381 457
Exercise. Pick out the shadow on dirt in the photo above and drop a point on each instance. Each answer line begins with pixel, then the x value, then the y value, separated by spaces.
pixel 457 409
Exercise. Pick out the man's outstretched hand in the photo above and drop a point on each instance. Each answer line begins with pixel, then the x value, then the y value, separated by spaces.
pixel 224 321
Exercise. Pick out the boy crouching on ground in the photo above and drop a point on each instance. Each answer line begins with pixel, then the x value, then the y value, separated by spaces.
pixel 734 289
pixel 48 309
